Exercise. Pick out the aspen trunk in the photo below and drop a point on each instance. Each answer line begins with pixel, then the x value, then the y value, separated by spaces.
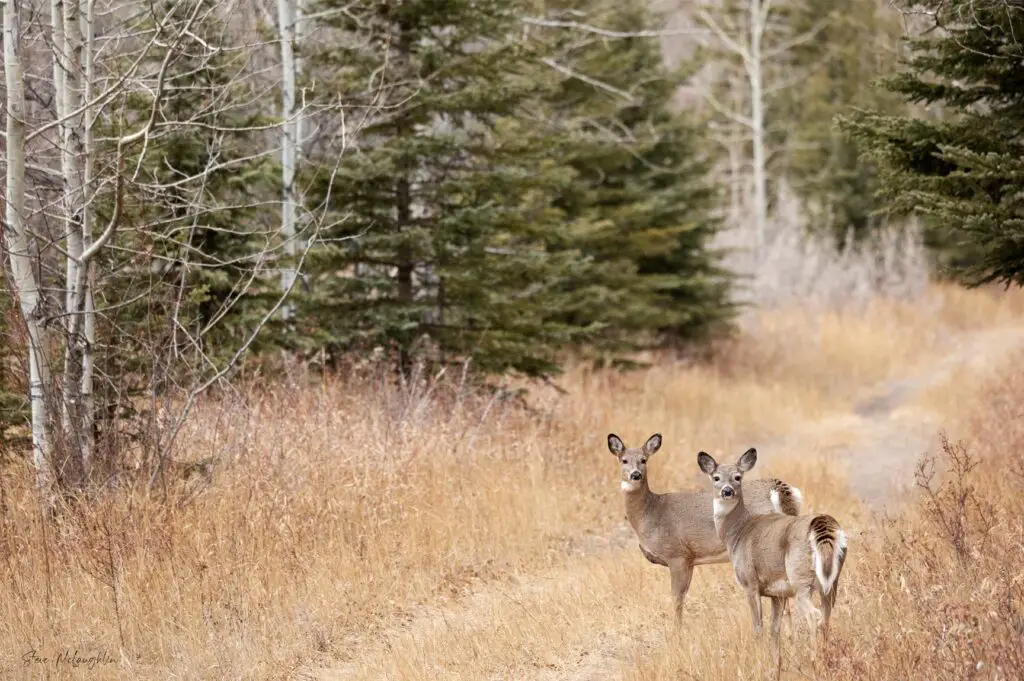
pixel 87 411
pixel 69 46
pixel 290 129
pixel 26 285
pixel 757 124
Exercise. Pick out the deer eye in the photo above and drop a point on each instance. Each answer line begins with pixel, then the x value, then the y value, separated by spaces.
pixel 716 478
pixel 643 460
pixel 624 461
pixel 737 478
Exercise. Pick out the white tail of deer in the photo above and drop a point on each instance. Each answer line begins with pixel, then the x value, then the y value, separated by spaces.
pixel 675 529
pixel 776 556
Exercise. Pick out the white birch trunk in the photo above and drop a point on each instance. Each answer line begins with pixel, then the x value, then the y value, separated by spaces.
pixel 754 74
pixel 59 50
pixel 87 412
pixel 69 46
pixel 301 127
pixel 26 285
pixel 287 15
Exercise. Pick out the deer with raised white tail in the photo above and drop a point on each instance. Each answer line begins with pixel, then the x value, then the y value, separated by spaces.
pixel 776 556
pixel 675 529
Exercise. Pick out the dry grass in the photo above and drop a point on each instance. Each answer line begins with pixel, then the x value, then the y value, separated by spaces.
pixel 970 309
pixel 446 534
pixel 936 593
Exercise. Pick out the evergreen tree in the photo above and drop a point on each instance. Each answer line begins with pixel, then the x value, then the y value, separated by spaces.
pixel 641 206
pixel 962 169
pixel 14 406
pixel 842 46
pixel 442 251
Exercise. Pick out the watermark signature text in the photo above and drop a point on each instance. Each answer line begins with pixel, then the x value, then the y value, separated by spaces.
pixel 68 658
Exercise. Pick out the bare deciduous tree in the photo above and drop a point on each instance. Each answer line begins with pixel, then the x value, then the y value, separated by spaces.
pixel 289 16
pixel 69 51
pixel 111 224
pixel 25 281
pixel 756 41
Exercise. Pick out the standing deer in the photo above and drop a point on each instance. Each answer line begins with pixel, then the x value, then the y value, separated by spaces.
pixel 675 529
pixel 775 556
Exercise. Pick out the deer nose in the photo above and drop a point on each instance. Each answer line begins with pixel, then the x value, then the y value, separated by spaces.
pixel 635 475
pixel 726 492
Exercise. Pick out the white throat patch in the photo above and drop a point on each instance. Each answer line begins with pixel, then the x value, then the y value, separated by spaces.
pixel 723 507
pixel 629 485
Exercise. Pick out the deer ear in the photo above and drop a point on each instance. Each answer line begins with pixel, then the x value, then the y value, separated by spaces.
pixel 653 444
pixel 706 462
pixel 615 444
pixel 748 460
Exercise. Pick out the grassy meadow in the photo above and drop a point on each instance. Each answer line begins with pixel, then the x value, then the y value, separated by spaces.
pixel 353 531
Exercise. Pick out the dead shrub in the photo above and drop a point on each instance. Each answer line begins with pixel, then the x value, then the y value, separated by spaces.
pixel 961 515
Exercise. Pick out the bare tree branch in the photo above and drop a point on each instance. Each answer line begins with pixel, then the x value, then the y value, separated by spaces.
pixel 802 39
pixel 587 79
pixel 723 36
pixel 607 33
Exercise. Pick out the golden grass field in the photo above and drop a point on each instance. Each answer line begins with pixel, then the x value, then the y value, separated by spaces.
pixel 353 532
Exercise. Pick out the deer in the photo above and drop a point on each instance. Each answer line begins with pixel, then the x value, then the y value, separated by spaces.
pixel 780 557
pixel 674 530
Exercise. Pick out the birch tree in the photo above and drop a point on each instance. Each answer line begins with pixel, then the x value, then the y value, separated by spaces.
pixel 155 241
pixel 294 134
pixel 288 17
pixel 70 52
pixel 87 413
pixel 24 279
pixel 757 38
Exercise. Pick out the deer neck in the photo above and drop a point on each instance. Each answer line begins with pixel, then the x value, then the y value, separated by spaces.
pixel 638 501
pixel 730 517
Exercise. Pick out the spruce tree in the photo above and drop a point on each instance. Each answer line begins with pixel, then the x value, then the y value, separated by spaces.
pixel 960 166
pixel 441 252
pixel 14 406
pixel 641 207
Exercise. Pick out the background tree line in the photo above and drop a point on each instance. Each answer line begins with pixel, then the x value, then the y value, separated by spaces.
pixel 432 183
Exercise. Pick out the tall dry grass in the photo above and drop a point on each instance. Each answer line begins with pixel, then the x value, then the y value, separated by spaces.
pixel 936 592
pixel 438 531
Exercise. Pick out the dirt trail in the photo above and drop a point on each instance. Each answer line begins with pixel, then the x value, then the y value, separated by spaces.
pixel 881 440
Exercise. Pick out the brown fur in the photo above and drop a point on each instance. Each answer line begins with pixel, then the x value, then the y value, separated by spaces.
pixel 825 532
pixel 774 555
pixel 789 500
pixel 675 529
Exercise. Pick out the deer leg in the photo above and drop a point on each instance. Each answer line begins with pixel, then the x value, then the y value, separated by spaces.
pixel 682 573
pixel 827 601
pixel 812 616
pixel 805 606
pixel 778 607
pixel 754 598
